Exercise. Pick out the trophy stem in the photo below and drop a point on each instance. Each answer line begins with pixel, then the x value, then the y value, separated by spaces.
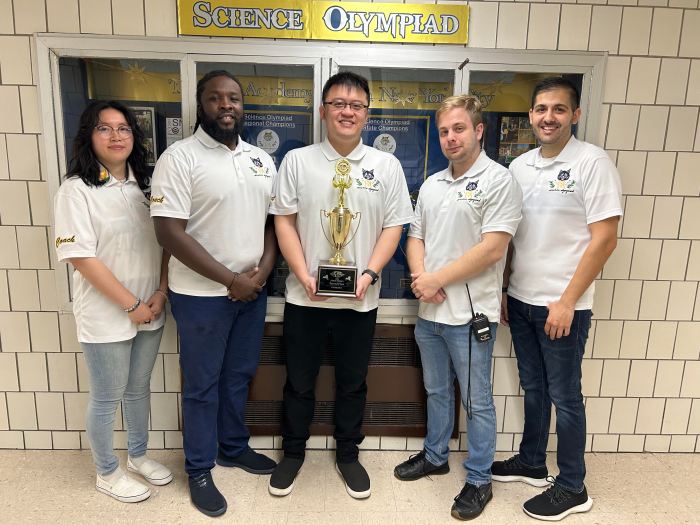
pixel 338 259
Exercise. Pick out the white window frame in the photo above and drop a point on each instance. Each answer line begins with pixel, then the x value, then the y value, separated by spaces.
pixel 324 57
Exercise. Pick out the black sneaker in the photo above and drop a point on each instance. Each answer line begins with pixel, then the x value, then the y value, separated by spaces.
pixel 250 461
pixel 356 479
pixel 205 496
pixel 556 503
pixel 418 466
pixel 282 479
pixel 471 501
pixel 513 470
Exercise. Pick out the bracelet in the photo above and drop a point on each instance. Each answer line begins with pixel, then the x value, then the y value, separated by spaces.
pixel 504 289
pixel 235 276
pixel 133 306
pixel 161 292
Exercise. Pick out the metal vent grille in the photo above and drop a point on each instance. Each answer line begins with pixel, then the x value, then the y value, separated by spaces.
pixel 376 414
pixel 386 351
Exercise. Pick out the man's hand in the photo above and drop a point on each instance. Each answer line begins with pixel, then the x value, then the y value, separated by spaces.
pixel 244 287
pixel 559 320
pixel 156 303
pixel 425 285
pixel 504 309
pixel 310 288
pixel 363 283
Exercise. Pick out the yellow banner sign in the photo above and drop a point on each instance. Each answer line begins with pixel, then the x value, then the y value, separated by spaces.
pixel 315 20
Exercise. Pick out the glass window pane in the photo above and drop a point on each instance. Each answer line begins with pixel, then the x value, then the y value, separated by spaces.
pixel 506 100
pixel 150 87
pixel 402 122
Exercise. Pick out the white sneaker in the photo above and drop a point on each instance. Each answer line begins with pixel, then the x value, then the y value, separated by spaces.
pixel 122 487
pixel 152 471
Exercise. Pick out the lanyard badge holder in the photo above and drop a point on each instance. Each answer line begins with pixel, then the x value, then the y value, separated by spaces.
pixel 481 330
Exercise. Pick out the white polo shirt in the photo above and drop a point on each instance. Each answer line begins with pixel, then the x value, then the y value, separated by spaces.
pixel 561 197
pixel 224 195
pixel 451 216
pixel 109 222
pixel 379 192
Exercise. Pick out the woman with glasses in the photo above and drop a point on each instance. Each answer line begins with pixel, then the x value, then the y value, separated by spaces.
pixel 104 231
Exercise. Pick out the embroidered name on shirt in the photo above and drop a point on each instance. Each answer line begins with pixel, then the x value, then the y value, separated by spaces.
pixel 471 193
pixel 258 169
pixel 157 200
pixel 368 182
pixel 563 184
pixel 64 240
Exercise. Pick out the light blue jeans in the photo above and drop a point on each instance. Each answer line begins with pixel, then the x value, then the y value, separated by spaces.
pixel 119 371
pixel 444 351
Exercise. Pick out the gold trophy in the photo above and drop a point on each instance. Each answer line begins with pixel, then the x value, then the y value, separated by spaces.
pixel 338 277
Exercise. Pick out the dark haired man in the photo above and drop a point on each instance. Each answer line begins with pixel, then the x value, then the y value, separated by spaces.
pixel 304 187
pixel 571 207
pixel 209 202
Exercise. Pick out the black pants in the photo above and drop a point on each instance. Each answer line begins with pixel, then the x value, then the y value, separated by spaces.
pixel 305 331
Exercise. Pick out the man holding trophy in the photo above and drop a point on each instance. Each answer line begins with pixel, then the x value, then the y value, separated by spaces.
pixel 339 209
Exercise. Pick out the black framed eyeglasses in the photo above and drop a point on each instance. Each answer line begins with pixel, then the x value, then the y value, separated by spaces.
pixel 340 105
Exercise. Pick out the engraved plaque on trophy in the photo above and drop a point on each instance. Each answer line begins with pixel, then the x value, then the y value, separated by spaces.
pixel 337 277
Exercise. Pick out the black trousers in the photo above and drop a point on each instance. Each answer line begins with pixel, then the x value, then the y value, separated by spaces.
pixel 305 332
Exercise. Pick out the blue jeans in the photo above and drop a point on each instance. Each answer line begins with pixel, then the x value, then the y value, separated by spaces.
pixel 550 372
pixel 119 371
pixel 219 354
pixel 444 351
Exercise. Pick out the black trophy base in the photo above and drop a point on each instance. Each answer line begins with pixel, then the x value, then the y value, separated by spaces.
pixel 335 280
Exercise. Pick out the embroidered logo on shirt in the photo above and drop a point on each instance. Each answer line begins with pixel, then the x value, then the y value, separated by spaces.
pixel 258 169
pixel 368 182
pixel 471 193
pixel 64 240
pixel 157 199
pixel 563 183
pixel 104 175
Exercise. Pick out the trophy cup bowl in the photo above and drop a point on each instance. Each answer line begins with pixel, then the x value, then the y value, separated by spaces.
pixel 337 277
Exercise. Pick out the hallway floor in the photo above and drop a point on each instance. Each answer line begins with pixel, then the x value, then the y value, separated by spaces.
pixel 57 487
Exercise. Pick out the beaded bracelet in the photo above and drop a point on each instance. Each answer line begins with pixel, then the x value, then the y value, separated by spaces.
pixel 133 307
pixel 235 276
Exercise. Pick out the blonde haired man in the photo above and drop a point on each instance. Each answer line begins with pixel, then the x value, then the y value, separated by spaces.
pixel 463 223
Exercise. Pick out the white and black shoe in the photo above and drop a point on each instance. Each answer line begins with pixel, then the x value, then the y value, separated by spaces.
pixel 122 488
pixel 356 479
pixel 513 469
pixel 152 471
pixel 556 503
pixel 282 479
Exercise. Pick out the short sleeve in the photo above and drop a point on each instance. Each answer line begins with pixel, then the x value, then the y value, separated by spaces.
pixel 503 207
pixel 171 188
pixel 75 235
pixel 397 205
pixel 416 229
pixel 284 192
pixel 602 190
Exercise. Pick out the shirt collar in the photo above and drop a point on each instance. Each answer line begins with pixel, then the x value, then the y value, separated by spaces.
pixel 212 143
pixel 568 154
pixel 479 166
pixel 113 180
pixel 329 152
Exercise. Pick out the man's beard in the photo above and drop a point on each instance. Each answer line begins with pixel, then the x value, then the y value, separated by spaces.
pixel 225 136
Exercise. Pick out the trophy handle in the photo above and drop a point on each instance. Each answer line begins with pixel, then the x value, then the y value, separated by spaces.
pixel 357 216
pixel 324 215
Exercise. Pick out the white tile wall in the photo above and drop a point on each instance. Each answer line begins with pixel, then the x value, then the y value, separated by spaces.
pixel 642 359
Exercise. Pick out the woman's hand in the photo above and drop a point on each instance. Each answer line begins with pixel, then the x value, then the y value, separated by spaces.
pixel 142 314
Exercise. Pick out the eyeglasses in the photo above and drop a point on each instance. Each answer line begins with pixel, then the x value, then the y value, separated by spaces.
pixel 105 131
pixel 340 105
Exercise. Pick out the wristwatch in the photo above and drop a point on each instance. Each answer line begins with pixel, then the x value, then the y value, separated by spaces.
pixel 372 274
